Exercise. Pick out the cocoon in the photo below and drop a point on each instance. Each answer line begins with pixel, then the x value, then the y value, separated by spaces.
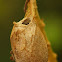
pixel 27 42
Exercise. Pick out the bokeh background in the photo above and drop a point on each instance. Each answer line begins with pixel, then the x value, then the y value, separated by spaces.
pixel 12 10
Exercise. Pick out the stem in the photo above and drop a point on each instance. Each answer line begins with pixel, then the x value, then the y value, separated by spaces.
pixel 31 8
pixel 25 7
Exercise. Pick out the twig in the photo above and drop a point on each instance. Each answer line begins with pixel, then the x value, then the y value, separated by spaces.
pixel 25 7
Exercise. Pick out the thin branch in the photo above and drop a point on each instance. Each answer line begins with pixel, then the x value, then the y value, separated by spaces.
pixel 25 7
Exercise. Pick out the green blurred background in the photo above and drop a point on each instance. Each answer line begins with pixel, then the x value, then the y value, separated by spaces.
pixel 12 10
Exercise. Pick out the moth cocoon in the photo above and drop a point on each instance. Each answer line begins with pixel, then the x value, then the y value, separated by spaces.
pixel 27 42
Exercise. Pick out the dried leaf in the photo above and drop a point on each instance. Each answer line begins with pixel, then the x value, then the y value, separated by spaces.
pixel 52 57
